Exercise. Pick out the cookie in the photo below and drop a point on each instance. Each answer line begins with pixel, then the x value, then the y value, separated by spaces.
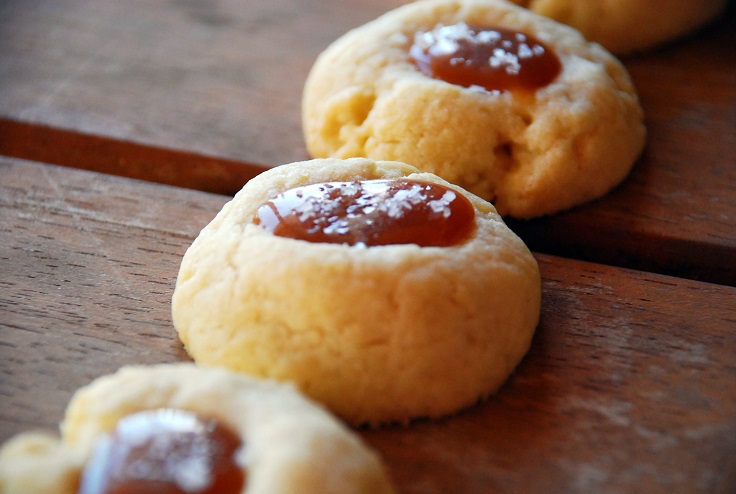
pixel 258 435
pixel 544 121
pixel 400 296
pixel 628 26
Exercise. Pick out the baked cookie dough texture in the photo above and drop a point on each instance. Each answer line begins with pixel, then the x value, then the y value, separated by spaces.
pixel 569 142
pixel 291 444
pixel 627 26
pixel 377 334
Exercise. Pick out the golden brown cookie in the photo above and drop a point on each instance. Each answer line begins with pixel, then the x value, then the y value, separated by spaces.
pixel 285 443
pixel 378 333
pixel 627 26
pixel 530 149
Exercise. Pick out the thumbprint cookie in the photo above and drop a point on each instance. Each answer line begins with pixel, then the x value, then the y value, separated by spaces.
pixel 510 105
pixel 384 292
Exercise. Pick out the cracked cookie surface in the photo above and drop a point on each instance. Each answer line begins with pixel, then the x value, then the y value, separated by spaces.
pixel 530 153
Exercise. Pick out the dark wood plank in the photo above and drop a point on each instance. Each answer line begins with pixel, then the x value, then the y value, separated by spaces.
pixel 87 271
pixel 630 385
pixel 124 158
pixel 213 78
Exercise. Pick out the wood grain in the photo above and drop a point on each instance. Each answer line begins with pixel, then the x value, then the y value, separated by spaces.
pixel 205 94
pixel 630 385
pixel 213 78
pixel 88 265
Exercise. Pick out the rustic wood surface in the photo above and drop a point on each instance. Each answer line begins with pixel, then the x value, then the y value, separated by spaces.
pixel 205 94
pixel 630 385
pixel 214 78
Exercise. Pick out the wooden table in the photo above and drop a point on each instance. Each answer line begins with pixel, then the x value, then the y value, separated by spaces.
pixel 630 385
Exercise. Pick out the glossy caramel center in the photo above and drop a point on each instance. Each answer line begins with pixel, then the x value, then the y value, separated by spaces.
pixel 165 451
pixel 492 58
pixel 370 213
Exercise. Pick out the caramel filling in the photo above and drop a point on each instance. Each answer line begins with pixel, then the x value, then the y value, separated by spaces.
pixel 165 451
pixel 370 213
pixel 492 58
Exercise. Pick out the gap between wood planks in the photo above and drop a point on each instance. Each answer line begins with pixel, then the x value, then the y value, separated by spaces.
pixel 644 252
pixel 124 158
